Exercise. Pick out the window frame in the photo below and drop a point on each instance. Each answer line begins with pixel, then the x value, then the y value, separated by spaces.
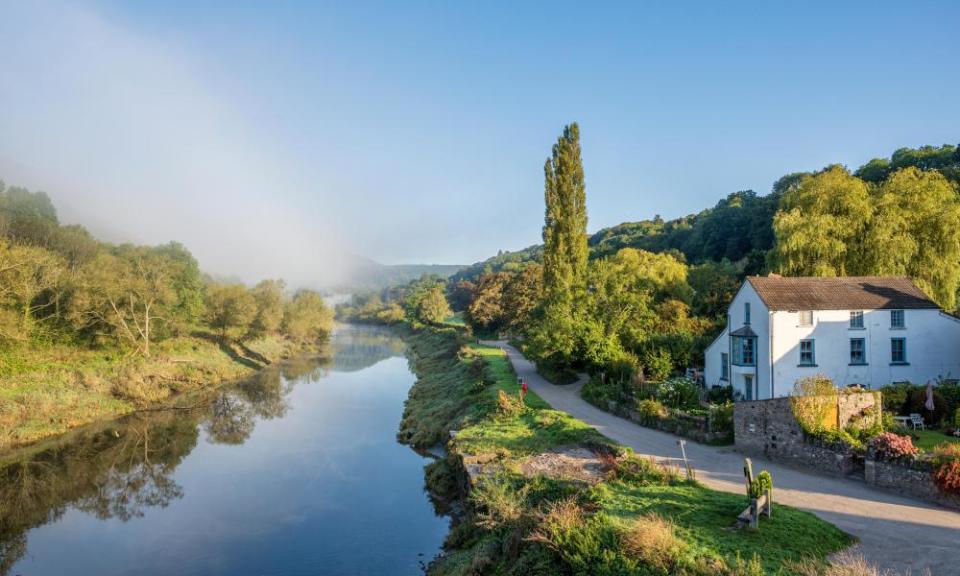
pixel 902 314
pixel 812 352
pixel 725 366
pixel 739 347
pixel 863 352
pixel 800 318
pixel 856 320
pixel 903 351
pixel 746 313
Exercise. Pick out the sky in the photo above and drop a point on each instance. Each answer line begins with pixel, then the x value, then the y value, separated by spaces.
pixel 290 138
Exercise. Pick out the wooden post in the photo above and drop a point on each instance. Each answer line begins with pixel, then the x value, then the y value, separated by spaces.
pixel 686 464
pixel 748 474
pixel 769 499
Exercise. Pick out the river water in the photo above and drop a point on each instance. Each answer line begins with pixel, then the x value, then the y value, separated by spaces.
pixel 294 471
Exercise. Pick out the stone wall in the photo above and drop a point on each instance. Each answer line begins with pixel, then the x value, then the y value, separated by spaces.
pixel 768 428
pixel 912 479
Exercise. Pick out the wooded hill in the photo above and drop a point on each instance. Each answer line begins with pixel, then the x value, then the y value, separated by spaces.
pixel 738 229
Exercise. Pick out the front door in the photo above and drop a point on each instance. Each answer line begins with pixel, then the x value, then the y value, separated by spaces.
pixel 748 386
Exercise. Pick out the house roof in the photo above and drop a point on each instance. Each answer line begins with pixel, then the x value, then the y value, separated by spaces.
pixel 840 293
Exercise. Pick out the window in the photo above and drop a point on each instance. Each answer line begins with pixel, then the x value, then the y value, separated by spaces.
pixel 898 350
pixel 724 366
pixel 856 318
pixel 857 355
pixel 744 348
pixel 807 355
pixel 896 318
pixel 806 317
pixel 746 312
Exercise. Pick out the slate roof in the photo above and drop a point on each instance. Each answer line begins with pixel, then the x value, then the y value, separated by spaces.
pixel 743 331
pixel 843 293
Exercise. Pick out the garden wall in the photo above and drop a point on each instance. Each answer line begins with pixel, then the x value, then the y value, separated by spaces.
pixel 768 428
pixel 908 478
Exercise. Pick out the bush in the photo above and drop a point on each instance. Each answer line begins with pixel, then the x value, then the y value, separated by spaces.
pixel 946 459
pixel 720 394
pixel 947 477
pixel 813 399
pixel 763 481
pixel 651 539
pixel 680 394
pixel 895 397
pixel 721 418
pixel 657 364
pixel 509 405
pixel 956 418
pixel 890 446
pixel 651 411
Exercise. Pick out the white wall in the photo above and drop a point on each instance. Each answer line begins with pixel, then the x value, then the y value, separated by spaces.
pixel 760 323
pixel 932 341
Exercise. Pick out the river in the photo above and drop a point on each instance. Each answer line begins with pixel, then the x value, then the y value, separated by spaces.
pixel 294 471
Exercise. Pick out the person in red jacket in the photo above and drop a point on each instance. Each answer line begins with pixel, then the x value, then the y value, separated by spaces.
pixel 523 390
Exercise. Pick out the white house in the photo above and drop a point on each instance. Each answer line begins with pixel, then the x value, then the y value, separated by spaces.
pixel 867 330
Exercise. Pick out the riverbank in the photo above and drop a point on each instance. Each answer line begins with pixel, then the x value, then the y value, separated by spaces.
pixel 544 493
pixel 47 391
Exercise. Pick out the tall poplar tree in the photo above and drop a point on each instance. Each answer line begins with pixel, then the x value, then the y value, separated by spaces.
pixel 554 337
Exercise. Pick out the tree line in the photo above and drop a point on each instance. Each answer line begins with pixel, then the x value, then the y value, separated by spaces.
pixel 58 284
pixel 739 231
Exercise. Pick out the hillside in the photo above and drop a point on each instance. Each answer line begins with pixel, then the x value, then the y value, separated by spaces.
pixel 739 228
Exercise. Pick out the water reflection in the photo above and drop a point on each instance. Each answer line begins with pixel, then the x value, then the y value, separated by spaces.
pixel 128 469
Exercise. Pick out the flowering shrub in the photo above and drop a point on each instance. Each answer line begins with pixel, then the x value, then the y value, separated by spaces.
pixel 680 393
pixel 890 446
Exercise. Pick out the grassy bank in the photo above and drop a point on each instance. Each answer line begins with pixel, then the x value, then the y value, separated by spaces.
pixel 638 518
pixel 49 390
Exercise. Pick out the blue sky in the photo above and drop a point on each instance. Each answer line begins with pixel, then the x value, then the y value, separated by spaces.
pixel 417 131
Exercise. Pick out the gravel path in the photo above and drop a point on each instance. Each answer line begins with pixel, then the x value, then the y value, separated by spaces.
pixel 895 532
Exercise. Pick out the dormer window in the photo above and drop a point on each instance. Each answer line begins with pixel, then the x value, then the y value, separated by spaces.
pixel 746 313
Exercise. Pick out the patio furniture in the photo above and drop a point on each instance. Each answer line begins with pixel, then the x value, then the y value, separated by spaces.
pixel 917 421
pixel 902 420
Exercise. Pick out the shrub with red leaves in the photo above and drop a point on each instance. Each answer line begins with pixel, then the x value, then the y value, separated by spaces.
pixel 890 446
pixel 946 460
pixel 948 477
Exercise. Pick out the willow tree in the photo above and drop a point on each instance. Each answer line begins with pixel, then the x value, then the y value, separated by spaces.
pixel 820 224
pixel 914 232
pixel 565 253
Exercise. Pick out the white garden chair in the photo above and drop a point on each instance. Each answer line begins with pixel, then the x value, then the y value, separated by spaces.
pixel 917 421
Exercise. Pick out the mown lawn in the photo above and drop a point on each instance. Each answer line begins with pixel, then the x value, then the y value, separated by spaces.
pixel 929 439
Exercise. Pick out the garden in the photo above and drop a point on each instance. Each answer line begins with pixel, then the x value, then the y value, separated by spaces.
pixel 677 405
pixel 879 437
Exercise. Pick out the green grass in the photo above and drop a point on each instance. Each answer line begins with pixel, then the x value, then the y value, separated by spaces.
pixel 457 389
pixel 927 440
pixel 703 518
pixel 48 390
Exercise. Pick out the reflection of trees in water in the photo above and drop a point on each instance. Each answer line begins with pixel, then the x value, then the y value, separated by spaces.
pixel 356 347
pixel 122 469
pixel 112 472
